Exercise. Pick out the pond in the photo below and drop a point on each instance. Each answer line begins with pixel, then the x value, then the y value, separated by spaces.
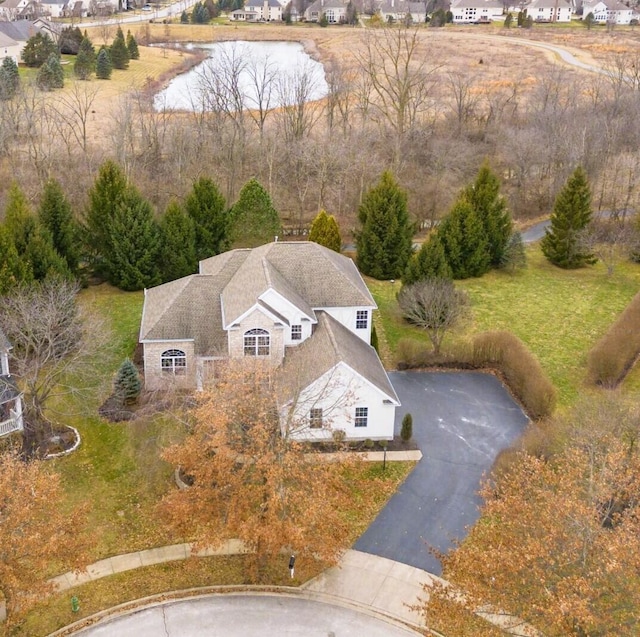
pixel 242 75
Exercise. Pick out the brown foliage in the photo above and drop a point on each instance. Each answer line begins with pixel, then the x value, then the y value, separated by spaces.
pixel 614 354
pixel 252 481
pixel 38 533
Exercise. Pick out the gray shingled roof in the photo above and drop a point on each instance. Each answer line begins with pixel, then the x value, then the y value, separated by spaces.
pixel 330 344
pixel 19 30
pixel 548 4
pixel 401 6
pixel 321 5
pixel 478 4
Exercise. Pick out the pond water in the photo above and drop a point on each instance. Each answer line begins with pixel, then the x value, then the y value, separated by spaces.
pixel 246 75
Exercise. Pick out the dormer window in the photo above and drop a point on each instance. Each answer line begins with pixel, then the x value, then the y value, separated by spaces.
pixel 362 319
pixel 296 332
pixel 256 343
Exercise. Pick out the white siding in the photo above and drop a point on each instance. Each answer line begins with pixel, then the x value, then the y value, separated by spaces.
pixel 347 316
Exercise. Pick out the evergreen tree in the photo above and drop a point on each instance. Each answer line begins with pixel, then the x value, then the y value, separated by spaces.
pixel 69 40
pixel 324 21
pixel 13 270
pixel 429 262
pixel 589 20
pixel 9 78
pixel 254 220
pixel 384 242
pixel 134 244
pixel 85 63
pixel 184 17
pixel 38 49
pixel 127 384
pixel 104 67
pixel 206 207
pixel 178 235
pixel 508 21
pixel 491 208
pixel 200 14
pixel 464 241
pixel 351 13
pixel 119 51
pixel 132 47
pixel 406 432
pixel 18 219
pixel 562 244
pixel 56 216
pixel 325 231
pixel 50 75
pixel 514 255
pixel 41 257
pixel 108 191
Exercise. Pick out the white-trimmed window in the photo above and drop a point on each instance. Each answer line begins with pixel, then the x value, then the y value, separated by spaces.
pixel 315 418
pixel 296 332
pixel 362 319
pixel 362 416
pixel 256 343
pixel 174 361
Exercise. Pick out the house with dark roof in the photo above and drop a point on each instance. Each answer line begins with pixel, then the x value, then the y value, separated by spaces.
pixel 403 11
pixel 334 10
pixel 549 10
pixel 259 11
pixel 297 306
pixel 10 396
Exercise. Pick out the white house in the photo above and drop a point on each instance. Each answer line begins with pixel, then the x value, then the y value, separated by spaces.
pixel 476 11
pixel 10 48
pixel 259 11
pixel 334 10
pixel 401 10
pixel 11 10
pixel 10 397
pixel 608 12
pixel 54 8
pixel 14 36
pixel 549 10
pixel 298 306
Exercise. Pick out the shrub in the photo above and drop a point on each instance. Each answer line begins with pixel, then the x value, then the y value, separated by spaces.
pixel 406 432
pixel 374 339
pixel 522 371
pixel 414 354
pixel 369 444
pixel 127 385
pixel 614 354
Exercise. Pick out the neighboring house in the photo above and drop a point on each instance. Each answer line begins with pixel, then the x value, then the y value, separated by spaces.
pixel 11 10
pixel 10 48
pixel 53 8
pixel 10 396
pixel 400 10
pixel 335 10
pixel 296 303
pixel 549 10
pixel 16 35
pixel 608 12
pixel 259 11
pixel 476 11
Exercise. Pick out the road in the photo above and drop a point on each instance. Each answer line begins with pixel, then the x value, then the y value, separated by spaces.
pixel 246 616
pixel 461 421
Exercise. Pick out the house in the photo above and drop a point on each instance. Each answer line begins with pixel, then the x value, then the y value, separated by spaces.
pixel 403 10
pixel 334 10
pixel 259 11
pixel 11 10
pixel 476 11
pixel 608 11
pixel 9 48
pixel 15 36
pixel 54 8
pixel 10 396
pixel 549 10
pixel 297 306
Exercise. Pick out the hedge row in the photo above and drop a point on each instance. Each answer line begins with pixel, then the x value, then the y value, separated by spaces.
pixel 496 350
pixel 614 354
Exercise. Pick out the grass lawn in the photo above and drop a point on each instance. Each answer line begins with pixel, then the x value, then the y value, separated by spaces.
pixel 559 314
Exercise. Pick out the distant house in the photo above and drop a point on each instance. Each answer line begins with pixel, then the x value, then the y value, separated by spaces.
pixel 549 10
pixel 476 11
pixel 10 396
pixel 243 15
pixel 258 11
pixel 11 10
pixel 297 307
pixel 334 10
pixel 608 12
pixel 54 8
pixel 403 10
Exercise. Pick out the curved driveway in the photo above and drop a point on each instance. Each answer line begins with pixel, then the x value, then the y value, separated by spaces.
pixel 461 421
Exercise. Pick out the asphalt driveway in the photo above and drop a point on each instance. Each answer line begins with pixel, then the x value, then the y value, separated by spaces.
pixel 461 421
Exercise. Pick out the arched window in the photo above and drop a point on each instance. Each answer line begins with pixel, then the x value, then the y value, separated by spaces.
pixel 174 361
pixel 256 343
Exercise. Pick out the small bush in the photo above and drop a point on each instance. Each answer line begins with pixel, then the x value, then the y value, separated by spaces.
pixel 414 354
pixel 406 432
pixel 369 444
pixel 374 339
pixel 127 385
pixel 522 371
pixel 614 354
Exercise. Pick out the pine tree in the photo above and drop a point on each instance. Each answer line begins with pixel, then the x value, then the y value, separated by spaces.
pixel 85 63
pixel 50 75
pixel 18 219
pixel 9 78
pixel 206 207
pixel 384 242
pixel 13 270
pixel 134 244
pixel 119 51
pixel 132 47
pixel 254 220
pixel 108 191
pixel 184 17
pixel 325 231
pixel 127 385
pixel 464 241
pixel 178 234
pixel 562 243
pixel 38 49
pixel 41 257
pixel 514 255
pixel 104 66
pixel 491 208
pixel 406 432
pixel 56 216
pixel 429 262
